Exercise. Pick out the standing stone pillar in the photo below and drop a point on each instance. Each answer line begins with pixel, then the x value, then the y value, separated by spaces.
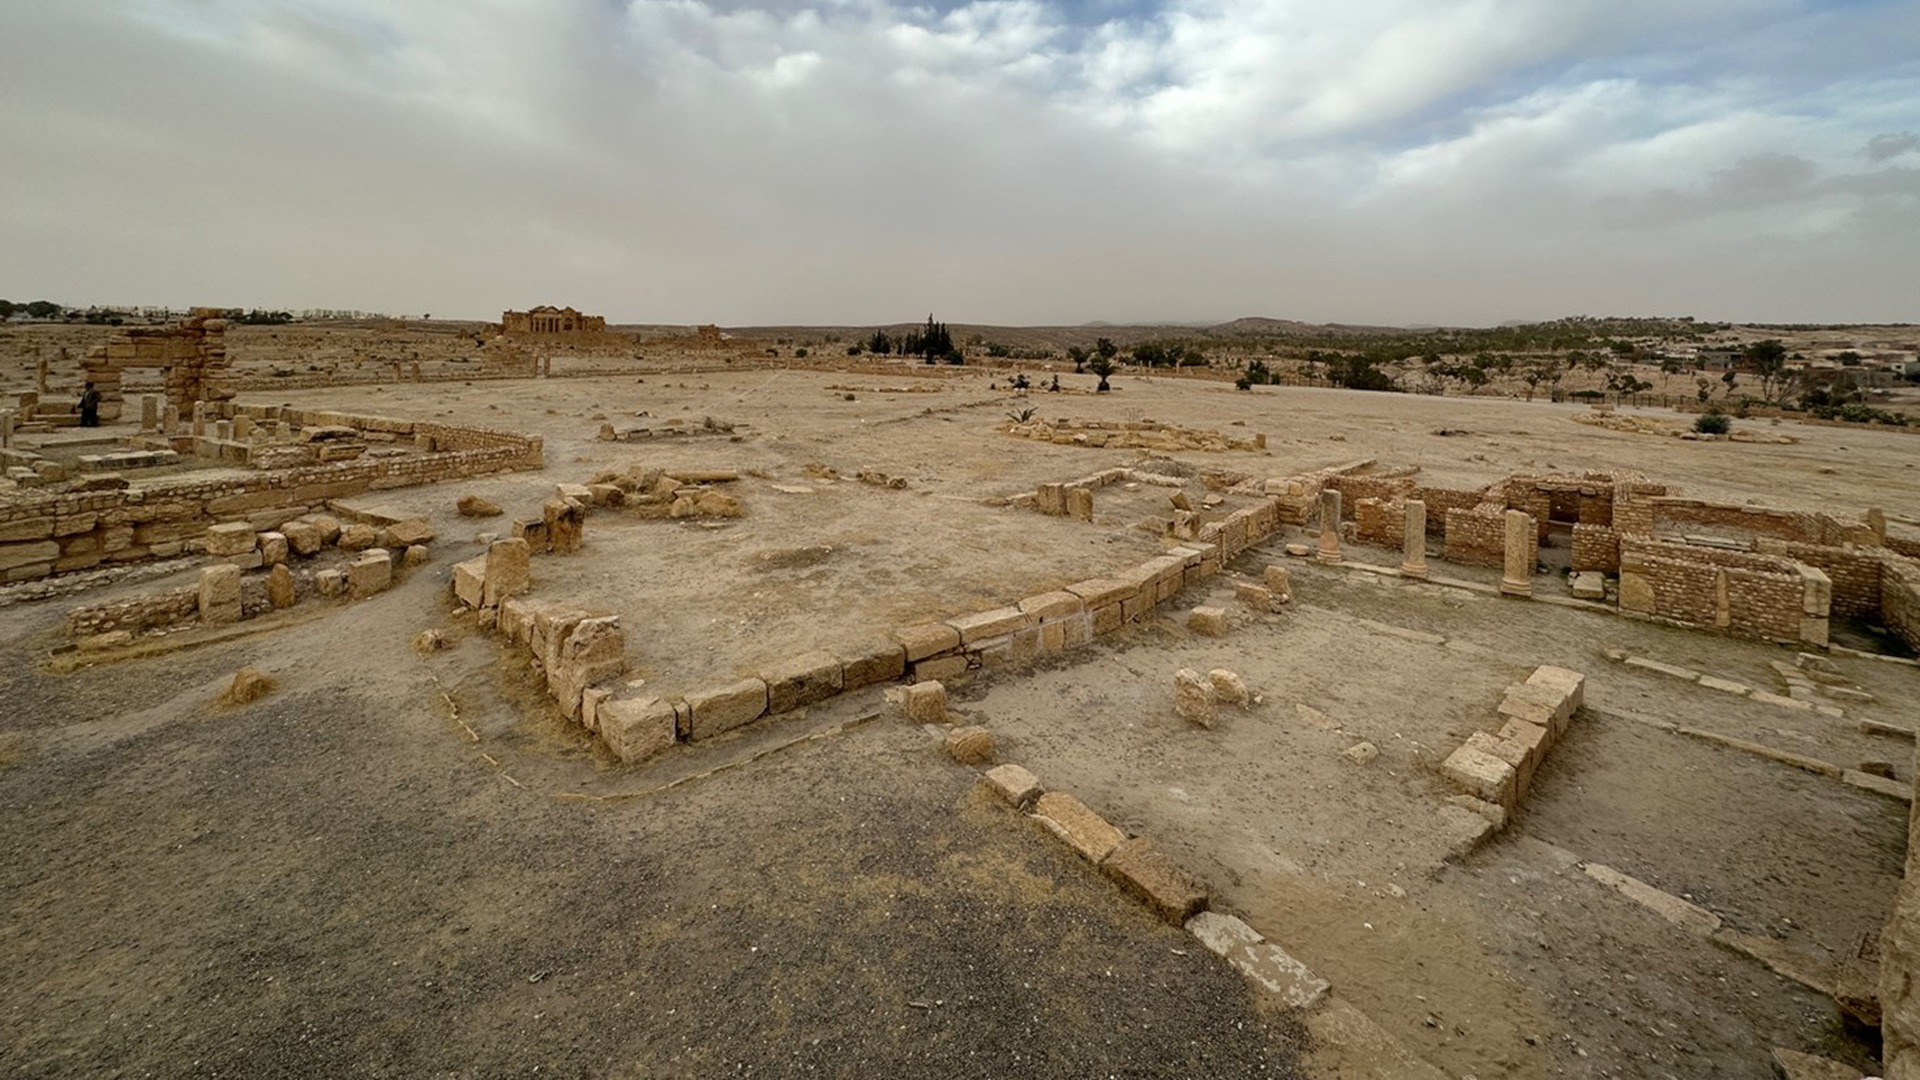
pixel 1413 563
pixel 149 413
pixel 169 419
pixel 6 429
pixel 199 419
pixel 223 430
pixel 1518 579
pixel 416 371
pixel 242 426
pixel 29 405
pixel 546 365
pixel 1329 526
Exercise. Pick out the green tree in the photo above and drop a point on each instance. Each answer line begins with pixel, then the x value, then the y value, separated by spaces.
pixel 6 310
pixel 1102 365
pixel 1105 347
pixel 1078 355
pixel 880 344
pixel 1769 361
pixel 43 309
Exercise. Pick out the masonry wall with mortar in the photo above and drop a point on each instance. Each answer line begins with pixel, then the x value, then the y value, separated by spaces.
pixel 1595 547
pixel 1855 573
pixel 1900 598
pixel 1381 521
pixel 1478 537
pixel 51 533
pixel 1440 500
pixel 1674 515
pixel 1740 593
pixel 193 354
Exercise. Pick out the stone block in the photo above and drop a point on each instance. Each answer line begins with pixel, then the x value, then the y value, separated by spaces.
pixel 971 745
pixel 1571 684
pixel 1083 830
pixel 801 680
pixel 551 625
pixel 371 573
pixel 1106 619
pixel 1099 592
pixel 636 729
pixel 1080 504
pixel 303 537
pixel 415 555
pixel 871 665
pixel 470 581
pixel 1210 621
pixel 330 582
pixel 280 591
pixel 1013 783
pixel 1536 705
pixel 593 651
pixel 725 708
pixel 1533 739
pixel 1589 585
pixel 927 639
pixel 941 668
pixel 1481 775
pixel 273 548
pixel 983 625
pixel 230 538
pixel 357 537
pixel 1053 606
pixel 926 702
pixel 1149 874
pixel 1229 688
pixel 507 570
pixel 1193 697
pixel 219 596
pixel 1361 753
pixel 1636 592
pixel 1514 754
pixel 475 506
pixel 402 534
pixel 516 620
pixel 1256 597
pixel 1222 934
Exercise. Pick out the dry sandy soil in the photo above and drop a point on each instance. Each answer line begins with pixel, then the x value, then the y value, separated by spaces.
pixel 346 878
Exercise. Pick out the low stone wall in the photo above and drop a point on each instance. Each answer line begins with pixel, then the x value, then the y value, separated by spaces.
pixel 1740 593
pixel 1134 434
pixel 1900 965
pixel 1353 489
pixel 1900 599
pixel 1478 537
pixel 1854 572
pixel 56 532
pixel 1441 500
pixel 1595 547
pixel 1380 521
pixel 139 614
pixel 1675 515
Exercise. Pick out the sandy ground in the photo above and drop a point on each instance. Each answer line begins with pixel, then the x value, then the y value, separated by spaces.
pixel 337 879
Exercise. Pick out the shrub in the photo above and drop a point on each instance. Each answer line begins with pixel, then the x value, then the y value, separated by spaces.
pixel 800 354
pixel 1713 422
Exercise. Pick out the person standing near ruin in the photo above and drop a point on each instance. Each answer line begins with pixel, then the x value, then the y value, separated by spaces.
pixel 90 407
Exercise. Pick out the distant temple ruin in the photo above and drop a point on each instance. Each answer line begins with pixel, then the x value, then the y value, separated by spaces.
pixel 548 321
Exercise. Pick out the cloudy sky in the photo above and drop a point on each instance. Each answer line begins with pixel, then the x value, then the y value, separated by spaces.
pixel 1008 161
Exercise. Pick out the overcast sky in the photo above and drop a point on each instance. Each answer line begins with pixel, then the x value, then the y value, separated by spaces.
pixel 857 161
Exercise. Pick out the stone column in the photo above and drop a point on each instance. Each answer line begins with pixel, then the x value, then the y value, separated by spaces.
pixel 199 419
pixel 169 419
pixel 40 375
pixel 1329 526
pixel 149 413
pixel 6 429
pixel 223 430
pixel 1518 579
pixel 1413 563
pixel 242 426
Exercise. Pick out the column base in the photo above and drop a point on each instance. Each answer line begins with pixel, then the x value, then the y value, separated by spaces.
pixel 1516 588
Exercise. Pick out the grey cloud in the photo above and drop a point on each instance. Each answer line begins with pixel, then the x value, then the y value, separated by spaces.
pixel 1891 145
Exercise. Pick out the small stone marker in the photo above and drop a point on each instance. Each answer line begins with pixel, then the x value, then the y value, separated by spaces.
pixel 249 684
pixel 972 745
pixel 280 591
pixel 1279 584
pixel 1229 687
pixel 1193 697
pixel 219 598
pixel 1360 753
pixel 371 573
pixel 1014 784
pixel 926 702
pixel 1084 831
pixel 1211 621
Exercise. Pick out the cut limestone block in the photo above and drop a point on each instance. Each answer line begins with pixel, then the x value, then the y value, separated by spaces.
pixel 1258 597
pixel 1014 784
pixel 1541 705
pixel 1279 584
pixel 303 537
pixel 927 639
pixel 593 651
pixel 1268 965
pixel 273 548
pixel 1360 753
pixel 219 597
pixel 1496 816
pixel 357 537
pixel 1147 872
pixel 371 573
pixel 1229 687
pixel 1193 697
pixel 726 708
pixel 1513 754
pixel 470 581
pixel 330 582
pixel 972 745
pixel 1533 740
pixel 871 664
pixel 1462 830
pixel 402 534
pixel 509 570
pixel 475 506
pixel 230 538
pixel 636 729
pixel 249 684
pixel 1589 585
pixel 982 625
pixel 801 680
pixel 1084 831
pixel 1211 621
pixel 280 587
pixel 1481 775
pixel 1570 684
pixel 926 702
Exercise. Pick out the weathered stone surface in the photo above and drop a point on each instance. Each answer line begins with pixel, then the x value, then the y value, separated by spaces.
pixel 273 548
pixel 230 538
pixel 402 534
pixel 249 684
pixel 1462 830
pixel 927 639
pixel 219 598
pixel 982 625
pixel 1794 1065
pixel 801 680
pixel 926 702
pixel 371 573
pixel 1148 873
pixel 1856 982
pixel 1480 774
pixel 971 745
pixel 330 582
pixel 565 521
pixel 357 537
pixel 1279 583
pixel 1229 688
pixel 470 581
pixel 594 650
pixel 475 506
pixel 1570 684
pixel 1589 585
pixel 1536 705
pixel 280 592
pixel 1048 607
pixel 1193 697
pixel 1517 576
pixel 304 537
pixel 1687 916
pixel 725 708
pixel 1361 752
pixel 1080 504
pixel 636 729
pixel 871 665
pixel 1257 597
pixel 415 555
pixel 1221 934
pixel 1673 670
pixel 1085 831
pixel 507 570
pixel 1211 621
pixel 1013 783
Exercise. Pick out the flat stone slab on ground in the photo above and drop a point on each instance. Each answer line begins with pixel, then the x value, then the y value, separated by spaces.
pixel 1148 873
pixel 1013 783
pixel 1084 831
